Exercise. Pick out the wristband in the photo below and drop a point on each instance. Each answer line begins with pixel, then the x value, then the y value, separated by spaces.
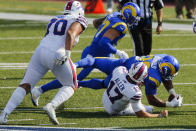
pixel 159 23
pixel 68 53
pixel 172 91
pixel 160 115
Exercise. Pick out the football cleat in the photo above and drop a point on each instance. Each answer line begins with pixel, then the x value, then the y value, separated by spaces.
pixel 3 117
pixel 50 110
pixel 35 93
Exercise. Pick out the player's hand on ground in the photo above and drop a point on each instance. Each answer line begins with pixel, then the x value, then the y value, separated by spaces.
pixel 175 102
pixel 122 54
pixel 180 99
pixel 163 114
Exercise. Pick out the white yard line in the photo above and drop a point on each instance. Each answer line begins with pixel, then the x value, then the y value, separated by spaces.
pixel 79 51
pixel 89 36
pixel 23 120
pixel 6 66
pixel 59 124
pixel 46 18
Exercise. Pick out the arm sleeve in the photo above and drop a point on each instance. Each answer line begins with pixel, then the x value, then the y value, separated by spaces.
pixel 83 21
pixel 150 87
pixel 137 105
pixel 106 45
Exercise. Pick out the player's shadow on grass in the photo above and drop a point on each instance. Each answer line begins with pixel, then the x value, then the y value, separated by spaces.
pixel 75 114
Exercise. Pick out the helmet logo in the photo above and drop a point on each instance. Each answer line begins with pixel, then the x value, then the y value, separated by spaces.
pixel 69 5
pixel 138 74
pixel 170 66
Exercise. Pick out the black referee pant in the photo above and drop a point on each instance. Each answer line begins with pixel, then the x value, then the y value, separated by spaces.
pixel 142 37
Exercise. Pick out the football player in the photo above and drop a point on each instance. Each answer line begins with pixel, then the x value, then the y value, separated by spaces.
pixel 161 68
pixel 123 95
pixel 109 33
pixel 53 54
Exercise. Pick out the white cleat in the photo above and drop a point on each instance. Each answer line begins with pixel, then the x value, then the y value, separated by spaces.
pixel 35 93
pixel 3 117
pixel 50 110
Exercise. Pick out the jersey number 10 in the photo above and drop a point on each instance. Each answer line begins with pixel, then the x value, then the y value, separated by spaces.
pixel 59 27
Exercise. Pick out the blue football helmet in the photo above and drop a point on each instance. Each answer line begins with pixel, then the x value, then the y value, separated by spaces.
pixel 169 67
pixel 131 13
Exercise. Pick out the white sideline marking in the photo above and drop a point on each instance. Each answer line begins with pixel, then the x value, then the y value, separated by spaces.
pixel 39 128
pixel 22 120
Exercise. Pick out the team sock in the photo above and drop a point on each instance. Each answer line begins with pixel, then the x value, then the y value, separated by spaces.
pixel 63 95
pixel 16 98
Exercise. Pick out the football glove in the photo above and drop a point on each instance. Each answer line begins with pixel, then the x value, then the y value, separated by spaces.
pixel 176 102
pixel 122 54
pixel 61 56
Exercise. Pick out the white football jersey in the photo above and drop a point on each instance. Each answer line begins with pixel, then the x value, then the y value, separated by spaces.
pixel 121 92
pixel 55 36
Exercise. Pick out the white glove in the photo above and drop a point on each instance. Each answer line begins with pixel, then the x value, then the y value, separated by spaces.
pixel 61 56
pixel 122 54
pixel 176 102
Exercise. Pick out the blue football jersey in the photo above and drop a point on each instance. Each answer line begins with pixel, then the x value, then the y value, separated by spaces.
pixel 154 79
pixel 112 21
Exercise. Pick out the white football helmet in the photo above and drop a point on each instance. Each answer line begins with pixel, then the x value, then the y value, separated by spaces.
pixel 138 72
pixel 74 7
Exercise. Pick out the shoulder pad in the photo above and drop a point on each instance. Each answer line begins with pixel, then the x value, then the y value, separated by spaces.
pixel 120 69
pixel 120 26
pixel 82 20
pixel 154 81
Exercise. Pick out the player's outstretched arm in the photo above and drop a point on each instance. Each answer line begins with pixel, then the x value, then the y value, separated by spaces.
pixel 155 101
pixel 142 113
pixel 75 30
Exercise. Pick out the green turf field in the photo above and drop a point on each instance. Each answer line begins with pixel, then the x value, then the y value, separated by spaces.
pixel 18 40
